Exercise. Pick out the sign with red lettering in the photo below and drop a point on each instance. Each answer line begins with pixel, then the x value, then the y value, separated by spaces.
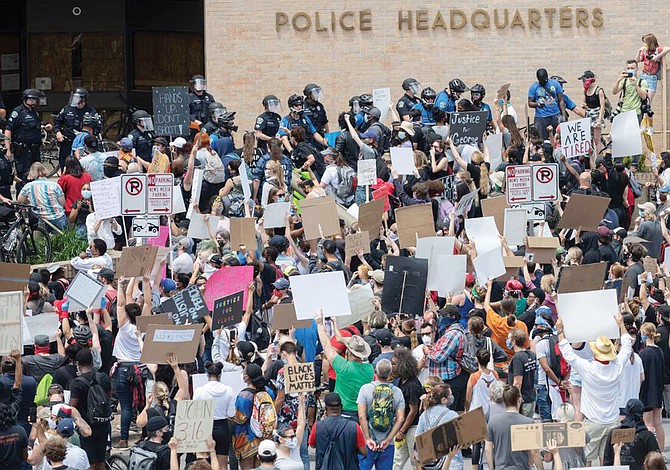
pixel 159 193
pixel 576 137
pixel 519 185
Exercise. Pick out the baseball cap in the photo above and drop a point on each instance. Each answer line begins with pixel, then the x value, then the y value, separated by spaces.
pixel 41 340
pixel 513 285
pixel 333 400
pixel 620 232
pixel 161 140
pixel 107 274
pixel 374 112
pixel 215 260
pixel 185 243
pixel 53 267
pixel 370 134
pixel 587 74
pixel 91 142
pixel 61 410
pixel 66 427
pixel 647 206
pixel 664 311
pixel 281 284
pixel 280 242
pixel 384 337
pixel 126 143
pixel 179 142
pixel 377 275
pixel 329 246
pixel 603 231
pixel 168 285
pixel 267 448
pixel 289 270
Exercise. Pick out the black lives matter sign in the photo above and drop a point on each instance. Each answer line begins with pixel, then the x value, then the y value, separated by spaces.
pixel 171 116
pixel 299 377
pixel 467 128
pixel 228 310
pixel 186 307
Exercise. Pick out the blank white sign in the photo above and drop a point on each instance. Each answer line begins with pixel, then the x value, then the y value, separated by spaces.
pixel 587 315
pixel 321 291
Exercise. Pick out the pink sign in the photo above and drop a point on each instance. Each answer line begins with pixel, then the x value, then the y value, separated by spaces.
pixel 161 239
pixel 226 281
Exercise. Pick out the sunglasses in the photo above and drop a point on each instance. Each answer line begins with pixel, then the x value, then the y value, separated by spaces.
pixel 281 194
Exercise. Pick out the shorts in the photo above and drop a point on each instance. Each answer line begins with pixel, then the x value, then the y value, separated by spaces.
pixel 598 434
pixel 222 437
pixel 575 379
pixel 95 445
pixel 652 81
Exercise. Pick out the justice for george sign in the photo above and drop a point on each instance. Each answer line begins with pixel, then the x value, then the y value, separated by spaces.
pixel 519 184
pixel 193 423
pixel 467 128
pixel 299 377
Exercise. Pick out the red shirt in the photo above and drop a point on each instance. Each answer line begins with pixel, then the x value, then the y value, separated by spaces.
pixel 360 438
pixel 71 186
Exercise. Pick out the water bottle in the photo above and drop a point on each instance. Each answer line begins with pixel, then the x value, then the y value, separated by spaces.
pixel 10 243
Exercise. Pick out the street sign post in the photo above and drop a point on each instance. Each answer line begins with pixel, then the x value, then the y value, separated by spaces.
pixel 159 193
pixel 545 182
pixel 147 194
pixel 133 194
pixel 534 210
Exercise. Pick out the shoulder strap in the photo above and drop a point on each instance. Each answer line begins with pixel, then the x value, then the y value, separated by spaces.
pixel 439 418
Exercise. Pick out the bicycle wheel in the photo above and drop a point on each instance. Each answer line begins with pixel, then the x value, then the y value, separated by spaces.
pixel 115 131
pixel 116 462
pixel 34 246
pixel 109 146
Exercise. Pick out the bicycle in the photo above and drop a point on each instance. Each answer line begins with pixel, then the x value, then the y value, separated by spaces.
pixel 121 127
pixel 26 241
pixel 116 462
pixel 49 152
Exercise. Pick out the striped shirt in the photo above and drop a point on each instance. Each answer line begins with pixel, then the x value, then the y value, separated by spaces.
pixel 44 194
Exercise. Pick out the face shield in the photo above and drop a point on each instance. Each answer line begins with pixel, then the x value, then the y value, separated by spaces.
pixel 356 107
pixel 415 87
pixel 316 94
pixel 218 114
pixel 146 123
pixel 76 98
pixel 200 84
pixel 274 106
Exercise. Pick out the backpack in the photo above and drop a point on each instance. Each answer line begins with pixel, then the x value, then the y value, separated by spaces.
pixel 141 459
pixel 346 187
pixel 608 104
pixel 263 420
pixel 380 414
pixel 384 143
pixel 42 394
pixel 468 360
pixel 332 457
pixel 99 410
pixel 557 362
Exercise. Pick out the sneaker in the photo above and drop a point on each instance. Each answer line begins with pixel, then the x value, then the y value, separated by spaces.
pixel 122 444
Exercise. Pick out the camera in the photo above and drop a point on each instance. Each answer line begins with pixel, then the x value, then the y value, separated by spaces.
pixel 650 55
pixel 629 73
pixel 646 108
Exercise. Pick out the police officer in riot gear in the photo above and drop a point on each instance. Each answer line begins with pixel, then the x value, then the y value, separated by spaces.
pixel 221 123
pixel 69 122
pixel 143 134
pixel 477 93
pixel 356 111
pixel 200 101
pixel 296 117
pixel 409 99
pixel 314 109
pixel 267 124
pixel 446 100
pixel 23 135
pixel 426 106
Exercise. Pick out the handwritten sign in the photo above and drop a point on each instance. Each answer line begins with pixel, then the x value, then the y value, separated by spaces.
pixel 107 197
pixel 381 97
pixel 11 325
pixel 623 435
pixel 193 424
pixel 228 310
pixel 467 128
pixel 188 306
pixel 576 138
pixel 226 281
pixel 164 341
pixel 357 242
pixel 171 114
pixel 367 172
pixel 299 377
pixel 136 260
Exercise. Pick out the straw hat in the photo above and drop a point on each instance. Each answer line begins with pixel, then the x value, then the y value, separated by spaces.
pixel 603 349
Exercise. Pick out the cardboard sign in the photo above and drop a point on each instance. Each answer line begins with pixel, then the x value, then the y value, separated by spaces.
pixel 501 94
pixel 367 172
pixel 404 285
pixel 381 97
pixel 535 436
pixel 467 128
pixel 382 193
pixel 650 264
pixel 576 137
pixel 622 435
pixel 319 217
pixel 171 111
pixel 106 197
pixel 243 232
pixel 43 324
pixel 136 261
pixel 495 207
pixel 14 276
pixel 325 291
pixel 451 274
pixel 193 424
pixel 431 248
pixel 143 321
pixel 228 310
pixel 83 292
pixel 464 430
pixel 355 242
pixel 402 159
pixel 515 227
pixel 581 278
pixel 598 307
pixel 512 266
pixel 584 211
pixel 164 341
pixel 188 306
pixel 226 281
pixel 414 222
pixel 484 233
pixel 625 133
pixel 370 216
pixel 300 377
pixel 284 318
pixel 11 321
pixel 542 248
pixel 275 214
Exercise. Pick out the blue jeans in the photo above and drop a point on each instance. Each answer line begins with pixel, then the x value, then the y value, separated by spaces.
pixel 381 460
pixel 304 449
pixel 360 195
pixel 60 223
pixel 543 403
pixel 125 395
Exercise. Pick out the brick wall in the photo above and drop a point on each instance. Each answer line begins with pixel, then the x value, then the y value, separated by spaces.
pixel 247 58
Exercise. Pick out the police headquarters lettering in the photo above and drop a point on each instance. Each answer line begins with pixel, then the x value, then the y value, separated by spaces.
pixel 422 20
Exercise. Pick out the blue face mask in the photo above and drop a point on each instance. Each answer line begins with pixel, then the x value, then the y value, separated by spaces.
pixel 643 338
pixel 640 212
pixel 86 194
pixel 401 135
pixel 509 344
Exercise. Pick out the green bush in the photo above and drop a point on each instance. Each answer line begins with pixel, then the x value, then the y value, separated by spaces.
pixel 64 246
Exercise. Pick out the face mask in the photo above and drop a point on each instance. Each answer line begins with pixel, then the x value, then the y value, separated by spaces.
pixel 450 400
pixel 426 340
pixel 86 194
pixel 393 236
pixel 640 212
pixel 52 423
pixel 281 198
pixel 401 135
pixel 291 443
pixel 509 344
pixel 587 83
pixel 643 338
pixel 268 175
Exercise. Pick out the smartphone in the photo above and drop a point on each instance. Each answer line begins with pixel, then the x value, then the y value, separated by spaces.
pixel 232 334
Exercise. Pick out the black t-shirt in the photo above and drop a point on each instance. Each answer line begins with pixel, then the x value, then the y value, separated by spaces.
pixel 64 375
pixel 524 363
pixel 632 454
pixel 79 390
pixel 13 441
pixel 411 392
pixel 161 450
pixel 663 343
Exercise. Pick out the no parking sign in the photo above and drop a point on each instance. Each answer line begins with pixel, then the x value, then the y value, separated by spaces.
pixel 133 194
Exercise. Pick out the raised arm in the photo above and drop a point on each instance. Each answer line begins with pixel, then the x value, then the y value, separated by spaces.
pixel 457 156
pixel 352 130
pixel 328 349
pixel 146 294
pixel 182 379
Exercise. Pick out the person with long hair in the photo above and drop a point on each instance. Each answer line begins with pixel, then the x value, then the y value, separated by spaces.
pixel 71 182
pixel 511 135
pixel 651 392
pixel 104 229
pixel 232 193
pixel 289 440
pixel 501 325
pixel 477 394
pixel 651 55
pixel 594 104
pixel 46 195
pixel 333 175
pixel 406 370
pixel 214 174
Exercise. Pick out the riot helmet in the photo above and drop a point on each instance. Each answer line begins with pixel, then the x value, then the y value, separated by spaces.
pixel 143 120
pixel 355 104
pixel 366 102
pixel 199 83
pixel 478 90
pixel 313 92
pixel 216 110
pixel 295 103
pixel 428 97
pixel 457 87
pixel 272 104
pixel 77 96
pixel 412 85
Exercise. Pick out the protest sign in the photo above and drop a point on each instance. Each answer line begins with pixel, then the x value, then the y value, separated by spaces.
pixel 584 211
pixel 581 278
pixel 622 435
pixel 512 266
pixel 484 233
pixel 356 242
pixel 244 180
pixel 164 341
pixel 451 274
pixel 226 281
pixel 404 285
pixel 196 189
pixel 361 302
pixel 501 94
pixel 284 318
pixel 233 379
pixel 197 227
pixel 414 222
pixel 161 239
pixel 464 204
pixel 381 99
pixel 14 276
pixel 178 204
pixel 542 249
pixel 83 292
pixel 370 216
pixel 275 214
pixel 382 193
pixel 430 248
pixel 319 217
pixel 322 291
pixel 516 226
pixel 188 306
pixel 494 143
pixel 136 261
pixel 467 128
pixel 650 264
pixel 106 197
pixel 171 111
pixel 42 324
pixel 243 232
pixel 489 265
pixel 299 377
pixel 367 172
pixel 535 436
pixel 402 159
pixel 11 321
pixel 143 321
pixel 598 307
pixel 464 430
pixel 576 137
pixel 228 310
pixel 625 133
pixel 193 424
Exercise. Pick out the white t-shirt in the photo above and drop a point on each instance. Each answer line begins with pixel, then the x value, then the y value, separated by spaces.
pixel 332 180
pixel 630 381
pixel 292 462
pixel 75 458
pixel 417 353
pixel 224 400
pixel 182 264
pixel 126 346
pixel 542 350
pixel 481 397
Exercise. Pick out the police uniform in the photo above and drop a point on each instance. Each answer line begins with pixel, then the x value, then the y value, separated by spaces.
pixel 317 114
pixel 142 143
pixel 289 122
pixel 197 107
pixel 268 124
pixel 69 123
pixel 25 126
pixel 216 132
pixel 405 105
pixel 426 114
pixel 444 102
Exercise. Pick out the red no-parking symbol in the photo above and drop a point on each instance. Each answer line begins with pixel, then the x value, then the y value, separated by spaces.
pixel 545 182
pixel 134 186
pixel 544 174
pixel 133 194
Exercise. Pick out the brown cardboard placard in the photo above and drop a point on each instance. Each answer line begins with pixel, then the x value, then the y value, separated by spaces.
pixel 650 264
pixel 644 178
pixel 243 232
pixel 13 276
pixel 136 260
pixel 355 242
pixel 163 341
pixel 300 377
pixel 143 321
pixel 284 318
pixel 370 216
pixel 542 248
pixel 512 266
pixel 584 211
pixel 535 436
pixel 582 278
pixel 414 222
pixel 623 435
pixel 502 91
pixel 319 217
pixel 495 207
pixel 465 429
